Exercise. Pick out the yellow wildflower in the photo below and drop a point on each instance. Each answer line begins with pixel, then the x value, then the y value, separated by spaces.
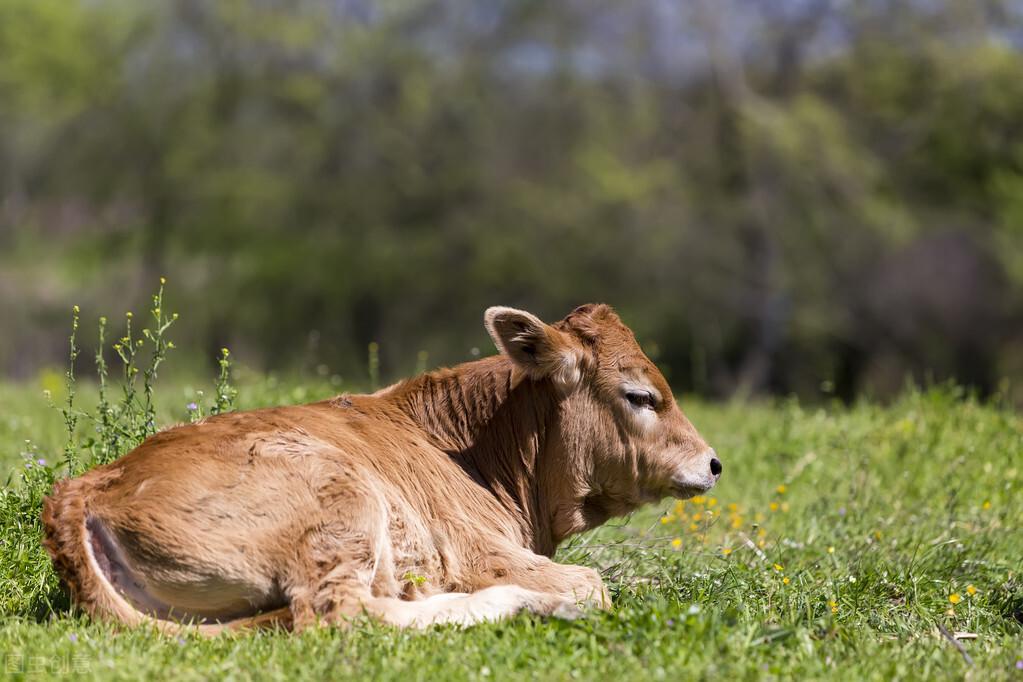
pixel 781 489
pixel 971 590
pixel 712 501
pixel 726 550
pixel 778 567
pixel 762 543
pixel 785 580
pixel 986 505
pixel 676 544
pixel 954 598
pixel 666 519
pixel 737 522
pixel 733 507
pixel 773 506
pixel 699 499
pixel 834 606
pixel 697 516
pixel 693 526
pixel 784 506
pixel 831 550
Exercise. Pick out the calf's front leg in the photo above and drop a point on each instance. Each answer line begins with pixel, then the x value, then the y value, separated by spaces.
pixel 521 567
pixel 333 581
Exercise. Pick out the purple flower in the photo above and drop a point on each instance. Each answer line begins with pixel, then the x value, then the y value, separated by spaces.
pixel 41 462
pixel 670 622
pixel 841 511
pixel 1019 664
pixel 73 637
pixel 191 407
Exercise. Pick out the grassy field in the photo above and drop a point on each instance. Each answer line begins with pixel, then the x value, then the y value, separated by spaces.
pixel 840 544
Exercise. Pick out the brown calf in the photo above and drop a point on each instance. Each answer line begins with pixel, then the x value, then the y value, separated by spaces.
pixel 437 500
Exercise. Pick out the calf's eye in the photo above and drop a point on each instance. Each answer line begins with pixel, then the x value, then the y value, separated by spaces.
pixel 640 399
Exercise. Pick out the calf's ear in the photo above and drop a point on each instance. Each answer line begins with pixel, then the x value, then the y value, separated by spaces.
pixel 535 347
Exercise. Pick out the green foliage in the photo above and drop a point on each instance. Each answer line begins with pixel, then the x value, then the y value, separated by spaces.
pixel 27 580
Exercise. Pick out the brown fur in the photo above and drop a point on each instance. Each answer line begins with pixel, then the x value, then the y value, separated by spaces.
pixel 438 499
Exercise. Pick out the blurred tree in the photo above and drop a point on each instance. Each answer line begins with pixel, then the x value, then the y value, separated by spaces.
pixel 779 196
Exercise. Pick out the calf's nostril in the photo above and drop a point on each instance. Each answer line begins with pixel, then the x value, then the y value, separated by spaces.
pixel 715 466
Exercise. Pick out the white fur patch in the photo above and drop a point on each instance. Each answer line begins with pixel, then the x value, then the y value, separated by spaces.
pixel 568 375
pixel 646 419
pixel 458 608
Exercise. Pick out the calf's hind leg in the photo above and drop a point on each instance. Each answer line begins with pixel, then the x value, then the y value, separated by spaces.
pixel 333 574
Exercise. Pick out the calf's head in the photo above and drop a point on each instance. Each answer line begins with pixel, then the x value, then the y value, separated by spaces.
pixel 625 437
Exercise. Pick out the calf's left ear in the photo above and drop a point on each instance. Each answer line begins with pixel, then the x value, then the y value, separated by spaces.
pixel 537 348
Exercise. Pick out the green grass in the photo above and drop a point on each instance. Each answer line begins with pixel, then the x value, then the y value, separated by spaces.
pixel 919 501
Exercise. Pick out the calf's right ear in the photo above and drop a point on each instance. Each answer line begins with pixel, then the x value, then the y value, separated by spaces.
pixel 534 346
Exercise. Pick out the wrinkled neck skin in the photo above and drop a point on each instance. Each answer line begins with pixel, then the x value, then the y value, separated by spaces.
pixel 508 433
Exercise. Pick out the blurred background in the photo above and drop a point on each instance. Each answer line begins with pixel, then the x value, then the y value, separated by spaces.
pixel 811 197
